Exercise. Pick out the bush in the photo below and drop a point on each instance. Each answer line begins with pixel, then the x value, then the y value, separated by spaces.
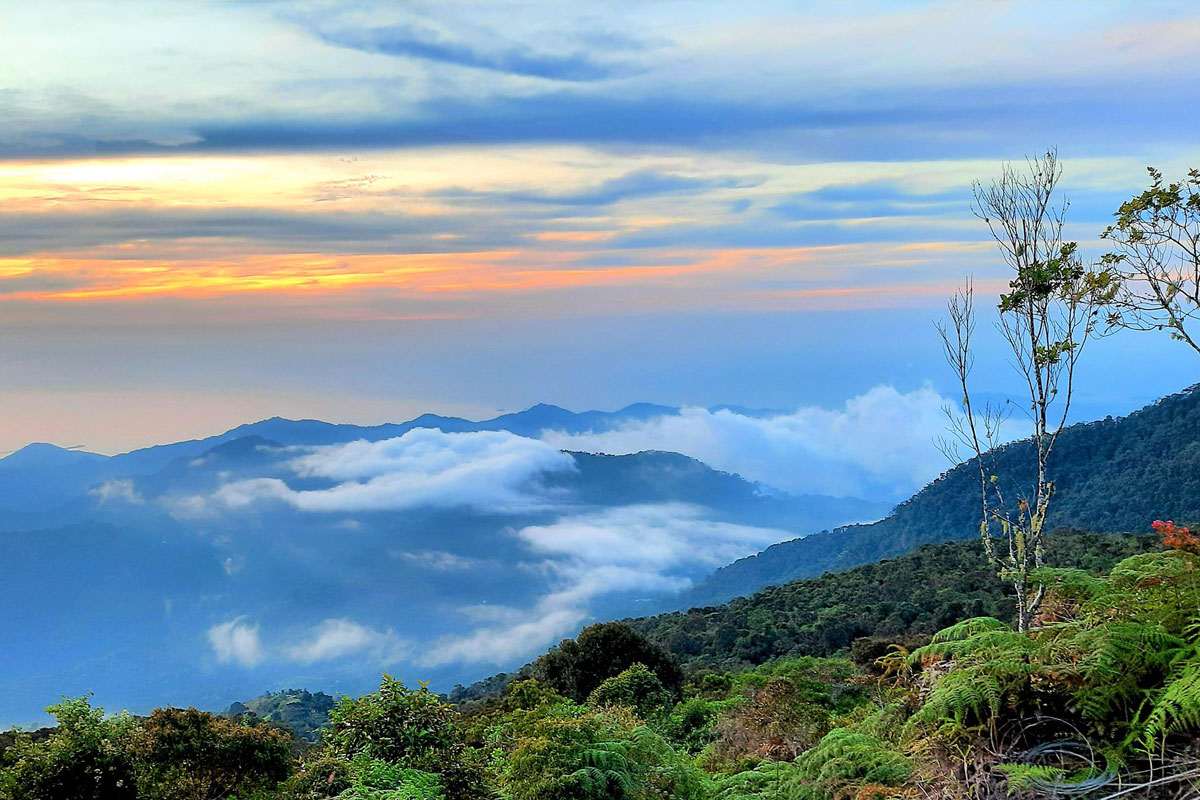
pixel 83 759
pixel 581 754
pixel 637 688
pixel 185 754
pixel 412 729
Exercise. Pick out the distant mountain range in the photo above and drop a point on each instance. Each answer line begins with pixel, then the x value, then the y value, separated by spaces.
pixel 305 553
pixel 1114 474
pixel 40 476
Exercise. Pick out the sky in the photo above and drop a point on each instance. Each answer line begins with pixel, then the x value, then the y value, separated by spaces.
pixel 221 211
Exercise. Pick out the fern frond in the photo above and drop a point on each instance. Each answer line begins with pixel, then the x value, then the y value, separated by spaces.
pixel 1177 708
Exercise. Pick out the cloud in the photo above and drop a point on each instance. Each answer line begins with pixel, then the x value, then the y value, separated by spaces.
pixel 502 644
pixel 652 548
pixel 630 186
pixel 651 539
pixel 423 42
pixel 437 560
pixel 873 199
pixel 879 444
pixel 490 470
pixel 237 642
pixel 338 638
pixel 120 490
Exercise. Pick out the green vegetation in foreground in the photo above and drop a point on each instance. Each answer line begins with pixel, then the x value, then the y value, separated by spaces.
pixel 1114 657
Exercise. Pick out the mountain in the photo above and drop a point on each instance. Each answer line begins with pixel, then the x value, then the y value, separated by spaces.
pixel 1110 475
pixel 257 558
pixel 301 711
pixel 44 477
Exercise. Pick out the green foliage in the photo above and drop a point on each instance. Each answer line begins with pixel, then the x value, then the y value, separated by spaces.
pixel 903 599
pixel 414 729
pixel 637 688
pixel 761 783
pixel 578 666
pixel 185 754
pixel 83 759
pixel 690 724
pixel 1024 777
pixel 778 710
pixel 846 758
pixel 319 775
pixel 373 779
pixel 1123 659
pixel 1177 707
pixel 580 754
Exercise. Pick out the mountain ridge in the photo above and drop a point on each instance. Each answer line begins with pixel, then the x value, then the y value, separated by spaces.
pixel 1113 474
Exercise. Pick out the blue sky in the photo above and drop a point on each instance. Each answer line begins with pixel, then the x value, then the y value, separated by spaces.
pixel 227 210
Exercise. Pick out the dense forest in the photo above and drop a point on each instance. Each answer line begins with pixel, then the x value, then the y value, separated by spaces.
pixel 1114 474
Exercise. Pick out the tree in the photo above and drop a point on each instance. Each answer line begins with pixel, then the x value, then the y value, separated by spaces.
pixel 83 759
pixel 1046 319
pixel 577 666
pixel 637 688
pixel 410 728
pixel 185 754
pixel 1157 258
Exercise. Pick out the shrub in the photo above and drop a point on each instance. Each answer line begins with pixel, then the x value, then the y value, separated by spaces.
pixel 415 729
pixel 185 754
pixel 637 688
pixel 83 759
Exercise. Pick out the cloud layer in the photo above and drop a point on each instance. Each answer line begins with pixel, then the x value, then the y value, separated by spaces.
pixel 879 444
pixel 491 471
pixel 649 549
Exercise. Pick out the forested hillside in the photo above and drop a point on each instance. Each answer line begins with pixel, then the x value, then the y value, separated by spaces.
pixel 900 599
pixel 1115 474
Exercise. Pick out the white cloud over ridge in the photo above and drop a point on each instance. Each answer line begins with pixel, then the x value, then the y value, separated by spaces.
pixel 338 638
pixel 880 444
pixel 650 548
pixel 238 641
pixel 490 470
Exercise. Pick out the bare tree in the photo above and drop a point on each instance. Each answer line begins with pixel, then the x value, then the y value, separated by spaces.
pixel 1046 318
pixel 1157 257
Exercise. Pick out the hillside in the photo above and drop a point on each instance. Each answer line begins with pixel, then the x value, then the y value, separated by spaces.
pixel 1115 474
pixel 905 598
pixel 910 596
pixel 302 712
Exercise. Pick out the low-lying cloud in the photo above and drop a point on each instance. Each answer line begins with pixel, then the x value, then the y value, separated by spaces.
pixel 490 470
pixel 653 548
pixel 880 444
pixel 239 641
pixel 338 638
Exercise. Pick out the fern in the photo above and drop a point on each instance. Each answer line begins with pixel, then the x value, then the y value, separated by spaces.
pixel 842 760
pixel 1177 707
pixel 1024 777
pixel 968 628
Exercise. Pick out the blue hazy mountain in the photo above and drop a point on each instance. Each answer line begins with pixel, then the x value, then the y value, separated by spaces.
pixel 43 477
pixel 123 567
